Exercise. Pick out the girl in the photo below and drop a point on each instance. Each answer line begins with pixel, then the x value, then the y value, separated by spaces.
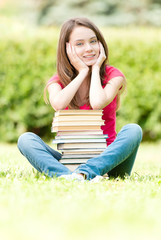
pixel 84 80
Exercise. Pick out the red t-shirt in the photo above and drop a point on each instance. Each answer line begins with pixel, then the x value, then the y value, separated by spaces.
pixel 109 112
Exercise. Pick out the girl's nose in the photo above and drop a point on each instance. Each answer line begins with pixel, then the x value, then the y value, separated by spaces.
pixel 88 47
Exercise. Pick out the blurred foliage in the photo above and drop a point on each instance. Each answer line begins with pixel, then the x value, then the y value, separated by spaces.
pixel 138 56
pixel 28 60
pixel 102 12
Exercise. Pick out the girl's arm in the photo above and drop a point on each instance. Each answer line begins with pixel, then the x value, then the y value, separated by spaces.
pixel 100 97
pixel 60 98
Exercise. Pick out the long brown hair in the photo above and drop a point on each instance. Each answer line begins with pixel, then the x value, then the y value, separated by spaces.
pixel 65 70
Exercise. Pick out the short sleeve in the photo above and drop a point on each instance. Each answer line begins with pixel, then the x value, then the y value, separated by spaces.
pixel 55 79
pixel 112 72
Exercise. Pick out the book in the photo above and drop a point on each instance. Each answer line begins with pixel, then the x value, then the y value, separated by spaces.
pixel 93 145
pixel 85 136
pixel 78 112
pixel 80 133
pixel 79 136
pixel 83 140
pixel 77 118
pixel 77 123
pixel 79 156
pixel 75 128
pixel 83 151
pixel 73 161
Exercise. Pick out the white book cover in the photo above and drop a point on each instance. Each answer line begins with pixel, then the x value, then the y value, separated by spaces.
pixel 97 140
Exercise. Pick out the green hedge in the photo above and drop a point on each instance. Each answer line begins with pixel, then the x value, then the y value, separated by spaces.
pixel 138 55
pixel 28 60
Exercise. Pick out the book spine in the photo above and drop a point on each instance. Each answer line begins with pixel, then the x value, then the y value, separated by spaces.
pixel 94 123
pixel 78 156
pixel 101 140
pixel 74 161
pixel 61 146
pixel 72 137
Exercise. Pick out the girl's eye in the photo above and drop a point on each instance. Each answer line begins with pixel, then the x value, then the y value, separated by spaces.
pixel 79 44
pixel 94 41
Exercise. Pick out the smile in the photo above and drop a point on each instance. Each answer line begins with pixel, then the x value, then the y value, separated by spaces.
pixel 89 56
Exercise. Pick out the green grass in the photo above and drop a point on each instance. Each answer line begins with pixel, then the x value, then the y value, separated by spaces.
pixel 33 206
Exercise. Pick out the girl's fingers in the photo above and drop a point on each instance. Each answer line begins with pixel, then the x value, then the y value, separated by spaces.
pixel 70 52
pixel 102 55
pixel 68 49
pixel 102 51
pixel 76 58
pixel 73 52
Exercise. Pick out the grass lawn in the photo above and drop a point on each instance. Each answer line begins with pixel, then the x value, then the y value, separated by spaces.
pixel 33 206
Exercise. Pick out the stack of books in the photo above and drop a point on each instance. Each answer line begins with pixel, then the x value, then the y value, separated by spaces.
pixel 78 135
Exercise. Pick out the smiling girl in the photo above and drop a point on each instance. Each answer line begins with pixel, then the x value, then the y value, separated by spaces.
pixel 85 80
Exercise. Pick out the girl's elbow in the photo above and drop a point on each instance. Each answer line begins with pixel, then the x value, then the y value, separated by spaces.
pixel 56 106
pixel 99 105
pixel 96 106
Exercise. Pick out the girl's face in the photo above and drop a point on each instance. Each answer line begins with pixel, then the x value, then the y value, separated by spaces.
pixel 86 44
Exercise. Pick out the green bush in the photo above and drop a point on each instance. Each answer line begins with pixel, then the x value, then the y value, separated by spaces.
pixel 28 60
pixel 138 56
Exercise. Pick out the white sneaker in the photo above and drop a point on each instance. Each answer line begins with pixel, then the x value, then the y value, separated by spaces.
pixel 97 179
pixel 73 177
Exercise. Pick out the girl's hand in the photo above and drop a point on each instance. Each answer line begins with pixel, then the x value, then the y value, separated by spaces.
pixel 101 58
pixel 77 63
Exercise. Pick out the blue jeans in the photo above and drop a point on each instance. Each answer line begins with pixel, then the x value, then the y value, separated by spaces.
pixel 116 160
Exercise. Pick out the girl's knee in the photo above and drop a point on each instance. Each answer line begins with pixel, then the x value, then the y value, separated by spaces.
pixel 134 131
pixel 25 139
pixel 138 131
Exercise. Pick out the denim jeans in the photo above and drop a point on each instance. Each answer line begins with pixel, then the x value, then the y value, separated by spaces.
pixel 116 160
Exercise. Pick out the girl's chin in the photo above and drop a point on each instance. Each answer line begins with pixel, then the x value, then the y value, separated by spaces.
pixel 90 63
